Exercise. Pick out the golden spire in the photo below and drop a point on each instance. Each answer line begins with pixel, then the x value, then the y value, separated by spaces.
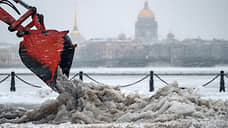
pixel 75 29
pixel 75 19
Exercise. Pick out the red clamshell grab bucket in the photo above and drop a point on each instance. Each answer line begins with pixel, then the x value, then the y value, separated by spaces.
pixel 44 51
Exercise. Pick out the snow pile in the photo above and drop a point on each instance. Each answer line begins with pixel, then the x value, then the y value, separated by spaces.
pixel 172 124
pixel 7 113
pixel 86 103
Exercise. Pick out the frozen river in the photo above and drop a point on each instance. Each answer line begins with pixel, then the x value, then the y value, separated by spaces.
pixel 29 95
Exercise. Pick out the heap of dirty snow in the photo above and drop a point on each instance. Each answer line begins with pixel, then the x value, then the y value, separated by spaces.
pixel 105 106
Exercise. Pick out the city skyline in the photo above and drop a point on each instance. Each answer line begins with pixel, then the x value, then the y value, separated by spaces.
pixel 103 19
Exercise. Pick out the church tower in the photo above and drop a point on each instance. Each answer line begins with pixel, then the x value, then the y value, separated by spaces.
pixel 146 28
pixel 75 33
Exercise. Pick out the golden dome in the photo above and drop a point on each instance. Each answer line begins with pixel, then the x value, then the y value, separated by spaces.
pixel 146 12
pixel 170 33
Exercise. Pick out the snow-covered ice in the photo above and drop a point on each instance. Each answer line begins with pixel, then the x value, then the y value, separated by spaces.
pixel 165 107
pixel 87 103
pixel 29 95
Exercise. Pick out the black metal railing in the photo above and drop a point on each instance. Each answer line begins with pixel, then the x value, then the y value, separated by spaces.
pixel 13 75
pixel 151 75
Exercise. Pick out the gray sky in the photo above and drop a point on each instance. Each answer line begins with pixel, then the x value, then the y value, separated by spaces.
pixel 108 18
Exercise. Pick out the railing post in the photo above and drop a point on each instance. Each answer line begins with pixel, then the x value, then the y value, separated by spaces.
pixel 222 82
pixel 151 81
pixel 81 75
pixel 12 87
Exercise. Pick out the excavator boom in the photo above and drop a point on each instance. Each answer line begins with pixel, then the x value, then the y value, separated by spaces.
pixel 42 51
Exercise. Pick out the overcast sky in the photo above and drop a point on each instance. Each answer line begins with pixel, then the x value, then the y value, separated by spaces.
pixel 107 18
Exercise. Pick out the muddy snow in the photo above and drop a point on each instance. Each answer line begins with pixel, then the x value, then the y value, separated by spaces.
pixel 88 105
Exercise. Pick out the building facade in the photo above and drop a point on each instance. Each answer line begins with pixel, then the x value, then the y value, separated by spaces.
pixel 9 55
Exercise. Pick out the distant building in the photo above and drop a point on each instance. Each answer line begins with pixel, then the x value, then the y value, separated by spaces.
pixel 146 49
pixel 146 28
pixel 170 36
pixel 5 54
pixel 9 55
pixel 75 33
pixel 110 53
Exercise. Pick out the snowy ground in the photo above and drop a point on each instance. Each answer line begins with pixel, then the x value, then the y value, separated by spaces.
pixel 33 96
pixel 96 106
pixel 69 125
pixel 30 97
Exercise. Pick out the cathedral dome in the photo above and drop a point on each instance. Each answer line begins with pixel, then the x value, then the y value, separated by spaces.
pixel 146 12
